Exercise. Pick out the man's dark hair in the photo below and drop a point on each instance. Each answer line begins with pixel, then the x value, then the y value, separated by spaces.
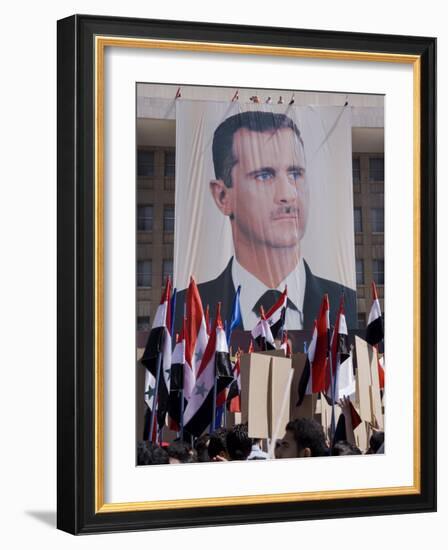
pixel 376 441
pixel 344 448
pixel 182 451
pixel 217 443
pixel 256 121
pixel 239 444
pixel 201 447
pixel 150 453
pixel 308 433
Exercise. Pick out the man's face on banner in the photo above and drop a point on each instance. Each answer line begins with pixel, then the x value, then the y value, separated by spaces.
pixel 269 196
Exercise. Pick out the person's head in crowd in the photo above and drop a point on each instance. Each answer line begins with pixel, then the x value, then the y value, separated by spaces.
pixel 180 452
pixel 150 453
pixel 217 447
pixel 239 444
pixel 303 437
pixel 344 448
pixel 376 443
pixel 201 447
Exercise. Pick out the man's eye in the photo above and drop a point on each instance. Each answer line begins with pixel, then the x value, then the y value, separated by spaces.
pixel 296 174
pixel 263 176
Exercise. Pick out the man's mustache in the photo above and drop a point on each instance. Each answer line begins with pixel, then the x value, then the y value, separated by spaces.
pixel 288 210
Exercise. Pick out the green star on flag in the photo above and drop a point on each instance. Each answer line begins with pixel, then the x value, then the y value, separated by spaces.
pixel 200 389
pixel 149 392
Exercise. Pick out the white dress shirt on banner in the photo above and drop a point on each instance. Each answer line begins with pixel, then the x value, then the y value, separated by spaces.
pixel 252 289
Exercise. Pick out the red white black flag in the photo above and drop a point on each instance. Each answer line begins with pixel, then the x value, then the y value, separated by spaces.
pixel 262 333
pixel 215 365
pixel 275 316
pixel 158 352
pixel 341 379
pixel 177 402
pixel 196 337
pixel 321 352
pixel 375 330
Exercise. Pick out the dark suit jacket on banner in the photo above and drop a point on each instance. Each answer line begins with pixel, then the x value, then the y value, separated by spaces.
pixel 222 289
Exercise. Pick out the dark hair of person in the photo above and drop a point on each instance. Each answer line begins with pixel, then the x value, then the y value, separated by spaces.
pixel 239 444
pixel 182 451
pixel 344 448
pixel 376 441
pixel 308 433
pixel 150 453
pixel 256 121
pixel 217 443
pixel 201 447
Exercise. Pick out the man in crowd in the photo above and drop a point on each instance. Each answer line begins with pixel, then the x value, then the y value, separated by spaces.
pixel 303 438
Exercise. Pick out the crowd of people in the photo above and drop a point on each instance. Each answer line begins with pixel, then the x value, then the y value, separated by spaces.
pixel 303 438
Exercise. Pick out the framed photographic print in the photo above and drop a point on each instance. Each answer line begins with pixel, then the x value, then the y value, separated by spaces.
pixel 246 274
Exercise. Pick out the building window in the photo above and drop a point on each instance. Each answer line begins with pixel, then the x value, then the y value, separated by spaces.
pixel 358 220
pixel 144 273
pixel 168 219
pixel 145 213
pixel 145 163
pixel 143 323
pixel 170 164
pixel 378 271
pixel 167 270
pixel 361 320
pixel 376 169
pixel 359 272
pixel 377 220
pixel 356 168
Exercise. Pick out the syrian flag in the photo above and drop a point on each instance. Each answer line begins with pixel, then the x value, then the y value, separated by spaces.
pixel 345 379
pixel 375 329
pixel 275 316
pixel 262 333
pixel 157 354
pixel 234 394
pixel 340 354
pixel 305 383
pixel 176 402
pixel 150 387
pixel 285 345
pixel 215 365
pixel 321 350
pixel 195 337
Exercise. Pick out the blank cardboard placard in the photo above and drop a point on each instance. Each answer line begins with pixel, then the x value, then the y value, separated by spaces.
pixel 367 381
pixel 375 393
pixel 256 406
pixel 363 378
pixel 279 395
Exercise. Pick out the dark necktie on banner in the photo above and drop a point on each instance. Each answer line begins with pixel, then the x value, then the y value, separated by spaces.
pixel 269 298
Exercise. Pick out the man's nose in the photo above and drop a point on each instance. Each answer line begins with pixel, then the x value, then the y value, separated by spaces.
pixel 285 189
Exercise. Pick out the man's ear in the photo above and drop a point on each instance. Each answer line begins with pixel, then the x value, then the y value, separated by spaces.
pixel 223 196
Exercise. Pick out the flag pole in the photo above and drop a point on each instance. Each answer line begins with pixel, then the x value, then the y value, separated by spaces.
pixel 182 414
pixel 156 390
pixel 333 426
pixel 215 391
pixel 333 419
